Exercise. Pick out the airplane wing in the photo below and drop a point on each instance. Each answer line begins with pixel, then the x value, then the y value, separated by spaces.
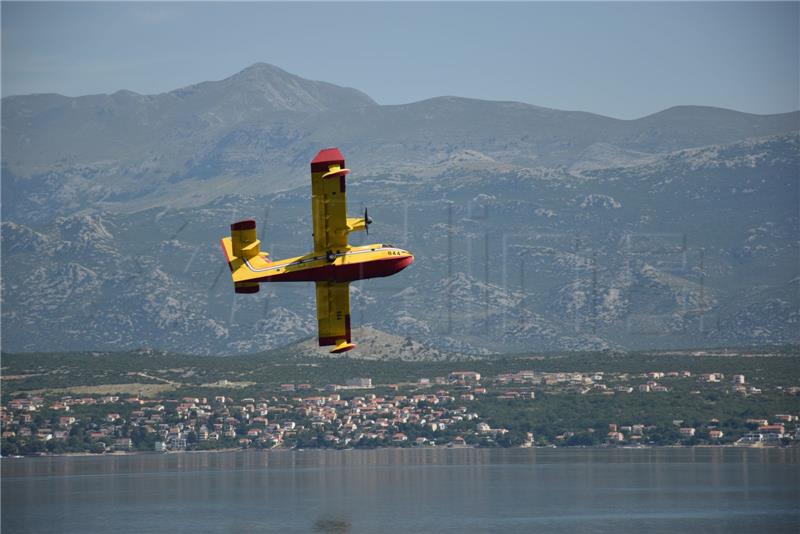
pixel 333 315
pixel 329 201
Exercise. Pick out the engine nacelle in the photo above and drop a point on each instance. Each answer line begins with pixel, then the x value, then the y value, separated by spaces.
pixel 246 287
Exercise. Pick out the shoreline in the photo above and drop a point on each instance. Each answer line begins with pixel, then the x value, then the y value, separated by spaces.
pixel 444 447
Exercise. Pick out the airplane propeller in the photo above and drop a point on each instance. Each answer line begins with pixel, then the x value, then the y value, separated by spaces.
pixel 367 220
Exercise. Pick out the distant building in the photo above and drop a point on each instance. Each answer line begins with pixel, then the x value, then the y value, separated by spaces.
pixel 176 444
pixel 759 422
pixel 616 436
pixel 528 440
pixel 123 444
pixel 360 382
pixel 65 421
pixel 711 377
pixel 687 431
pixel 464 376
pixel 738 380
pixel 751 437
pixel 772 429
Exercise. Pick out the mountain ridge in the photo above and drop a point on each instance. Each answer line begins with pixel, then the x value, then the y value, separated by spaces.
pixel 533 228
pixel 261 67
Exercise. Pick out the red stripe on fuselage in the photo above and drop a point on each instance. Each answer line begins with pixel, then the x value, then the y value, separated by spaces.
pixel 343 273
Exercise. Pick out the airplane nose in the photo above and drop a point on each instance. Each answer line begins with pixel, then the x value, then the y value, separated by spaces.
pixel 405 262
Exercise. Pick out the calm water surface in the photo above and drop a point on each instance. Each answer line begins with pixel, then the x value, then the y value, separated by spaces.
pixel 394 490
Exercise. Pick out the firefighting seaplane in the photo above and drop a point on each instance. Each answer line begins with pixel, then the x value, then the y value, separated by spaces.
pixel 332 265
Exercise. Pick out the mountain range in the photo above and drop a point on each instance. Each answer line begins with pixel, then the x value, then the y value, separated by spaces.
pixel 533 228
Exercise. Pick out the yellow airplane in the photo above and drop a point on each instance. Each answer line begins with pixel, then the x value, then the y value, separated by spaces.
pixel 333 264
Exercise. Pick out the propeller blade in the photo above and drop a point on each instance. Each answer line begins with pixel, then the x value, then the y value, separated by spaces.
pixel 367 220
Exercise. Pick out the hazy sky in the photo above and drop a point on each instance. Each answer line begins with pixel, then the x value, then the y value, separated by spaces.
pixel 620 59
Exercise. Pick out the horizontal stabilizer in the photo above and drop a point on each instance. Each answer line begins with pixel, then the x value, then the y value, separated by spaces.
pixel 243 249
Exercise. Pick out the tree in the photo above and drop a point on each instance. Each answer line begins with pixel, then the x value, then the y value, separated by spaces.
pixel 9 448
pixel 582 439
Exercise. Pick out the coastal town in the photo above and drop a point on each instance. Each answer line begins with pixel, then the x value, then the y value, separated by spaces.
pixel 461 409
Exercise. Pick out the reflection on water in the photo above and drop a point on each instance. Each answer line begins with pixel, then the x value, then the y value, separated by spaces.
pixel 332 525
pixel 407 490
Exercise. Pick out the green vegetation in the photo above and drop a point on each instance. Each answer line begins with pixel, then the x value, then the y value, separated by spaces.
pixel 551 415
pixel 778 366
pixel 584 397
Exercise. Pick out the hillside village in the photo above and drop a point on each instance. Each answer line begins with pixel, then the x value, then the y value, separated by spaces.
pixel 443 411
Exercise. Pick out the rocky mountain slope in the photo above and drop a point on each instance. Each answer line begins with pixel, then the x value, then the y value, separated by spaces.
pixel 533 229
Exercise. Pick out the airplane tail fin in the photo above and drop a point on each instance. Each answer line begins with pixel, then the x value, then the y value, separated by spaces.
pixel 242 245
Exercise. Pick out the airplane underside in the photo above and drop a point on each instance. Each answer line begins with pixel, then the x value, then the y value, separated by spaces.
pixel 343 273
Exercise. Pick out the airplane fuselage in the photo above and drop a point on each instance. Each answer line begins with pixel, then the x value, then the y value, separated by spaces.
pixel 353 263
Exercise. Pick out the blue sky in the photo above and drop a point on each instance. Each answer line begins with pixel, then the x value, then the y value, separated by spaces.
pixel 625 60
